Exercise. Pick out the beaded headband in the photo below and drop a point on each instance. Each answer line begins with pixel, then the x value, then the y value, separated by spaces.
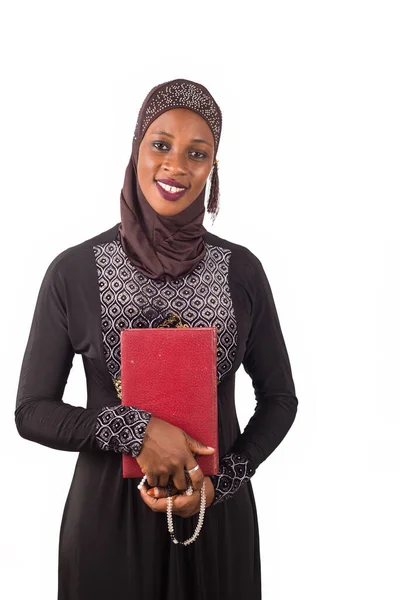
pixel 179 93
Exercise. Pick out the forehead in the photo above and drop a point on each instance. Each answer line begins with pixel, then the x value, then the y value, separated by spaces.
pixel 182 120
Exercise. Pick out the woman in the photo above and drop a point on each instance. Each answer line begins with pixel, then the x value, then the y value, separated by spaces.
pixel 159 267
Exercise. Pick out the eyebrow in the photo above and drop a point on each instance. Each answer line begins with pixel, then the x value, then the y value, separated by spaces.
pixel 171 136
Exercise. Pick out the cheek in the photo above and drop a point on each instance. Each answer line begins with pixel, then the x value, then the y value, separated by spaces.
pixel 147 166
pixel 201 179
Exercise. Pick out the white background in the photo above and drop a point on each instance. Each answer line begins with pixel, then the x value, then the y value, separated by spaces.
pixel 309 177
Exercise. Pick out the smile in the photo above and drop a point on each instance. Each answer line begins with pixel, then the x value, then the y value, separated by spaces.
pixel 170 188
pixel 169 192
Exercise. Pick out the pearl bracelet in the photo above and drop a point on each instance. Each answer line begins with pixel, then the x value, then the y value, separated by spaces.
pixel 199 523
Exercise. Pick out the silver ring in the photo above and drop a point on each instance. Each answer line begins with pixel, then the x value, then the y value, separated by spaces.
pixel 194 469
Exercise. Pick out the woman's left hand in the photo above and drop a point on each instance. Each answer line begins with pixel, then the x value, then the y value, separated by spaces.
pixel 182 505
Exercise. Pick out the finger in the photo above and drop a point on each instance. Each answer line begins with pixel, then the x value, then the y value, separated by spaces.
pixel 198 447
pixel 156 504
pixel 163 480
pixel 185 506
pixel 196 477
pixel 179 480
pixel 151 502
pixel 181 503
pixel 152 480
pixel 162 492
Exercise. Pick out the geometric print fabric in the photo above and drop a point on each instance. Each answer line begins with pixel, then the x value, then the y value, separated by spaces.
pixel 121 429
pixel 234 471
pixel 130 299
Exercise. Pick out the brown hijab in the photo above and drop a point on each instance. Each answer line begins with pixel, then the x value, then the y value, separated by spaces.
pixel 162 246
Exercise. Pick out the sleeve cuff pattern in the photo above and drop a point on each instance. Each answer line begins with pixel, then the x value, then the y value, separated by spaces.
pixel 121 429
pixel 235 470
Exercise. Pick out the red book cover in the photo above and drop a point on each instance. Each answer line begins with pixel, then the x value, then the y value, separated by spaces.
pixel 171 372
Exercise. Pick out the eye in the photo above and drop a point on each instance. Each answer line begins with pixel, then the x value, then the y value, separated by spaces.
pixel 196 154
pixel 159 143
pixel 202 154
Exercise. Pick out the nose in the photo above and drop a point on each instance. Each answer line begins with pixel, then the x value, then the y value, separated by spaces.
pixel 175 163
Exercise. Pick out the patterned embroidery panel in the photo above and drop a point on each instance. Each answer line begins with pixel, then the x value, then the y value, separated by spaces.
pixel 121 429
pixel 130 299
pixel 235 470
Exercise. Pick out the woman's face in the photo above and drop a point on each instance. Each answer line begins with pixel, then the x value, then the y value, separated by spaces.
pixel 178 146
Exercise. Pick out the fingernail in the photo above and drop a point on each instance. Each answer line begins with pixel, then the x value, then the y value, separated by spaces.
pixel 209 447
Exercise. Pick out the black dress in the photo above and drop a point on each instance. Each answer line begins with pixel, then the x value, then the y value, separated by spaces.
pixel 112 545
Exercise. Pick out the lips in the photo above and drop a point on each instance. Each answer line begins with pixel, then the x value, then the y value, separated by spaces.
pixel 173 182
pixel 169 195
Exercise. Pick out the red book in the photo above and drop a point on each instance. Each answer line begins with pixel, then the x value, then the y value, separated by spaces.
pixel 172 373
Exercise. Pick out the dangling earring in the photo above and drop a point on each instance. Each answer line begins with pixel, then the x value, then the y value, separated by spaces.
pixel 212 205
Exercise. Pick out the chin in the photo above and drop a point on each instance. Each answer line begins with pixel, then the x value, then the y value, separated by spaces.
pixel 167 208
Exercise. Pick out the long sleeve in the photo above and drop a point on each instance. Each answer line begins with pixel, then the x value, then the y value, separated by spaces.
pixel 40 414
pixel 266 361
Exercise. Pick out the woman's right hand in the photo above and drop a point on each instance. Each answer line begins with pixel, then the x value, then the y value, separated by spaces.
pixel 166 452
